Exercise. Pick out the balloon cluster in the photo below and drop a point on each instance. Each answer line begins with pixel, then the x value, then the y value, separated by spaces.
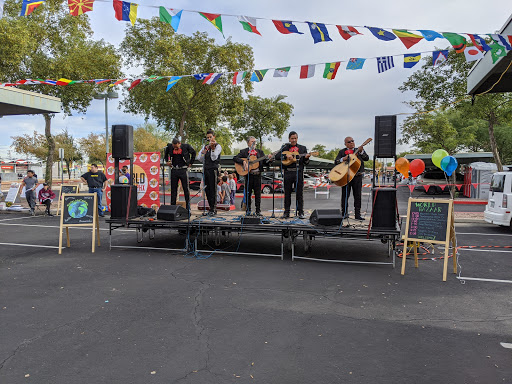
pixel 442 160
pixel 416 167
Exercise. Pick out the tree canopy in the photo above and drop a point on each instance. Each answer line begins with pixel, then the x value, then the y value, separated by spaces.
pixel 190 107
pixel 52 44
pixel 458 122
pixel 263 118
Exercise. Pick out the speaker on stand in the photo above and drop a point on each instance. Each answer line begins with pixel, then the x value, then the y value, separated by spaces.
pixel 123 196
pixel 384 209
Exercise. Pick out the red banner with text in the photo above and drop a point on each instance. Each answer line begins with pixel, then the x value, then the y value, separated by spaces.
pixel 146 176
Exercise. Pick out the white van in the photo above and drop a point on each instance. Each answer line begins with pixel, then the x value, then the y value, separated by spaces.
pixel 499 205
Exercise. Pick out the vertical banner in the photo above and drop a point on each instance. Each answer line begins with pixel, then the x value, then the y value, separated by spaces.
pixel 146 176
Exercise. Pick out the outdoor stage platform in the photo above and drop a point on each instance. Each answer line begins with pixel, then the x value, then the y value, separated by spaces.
pixel 202 230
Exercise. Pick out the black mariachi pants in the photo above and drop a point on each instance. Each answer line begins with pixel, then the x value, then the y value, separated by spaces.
pixel 253 183
pixel 210 180
pixel 290 180
pixel 356 185
pixel 177 175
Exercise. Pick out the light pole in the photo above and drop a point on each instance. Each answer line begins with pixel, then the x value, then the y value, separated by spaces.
pixel 106 96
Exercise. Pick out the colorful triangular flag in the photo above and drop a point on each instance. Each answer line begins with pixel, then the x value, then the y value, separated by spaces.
pixel 355 63
pixel 499 39
pixel 458 42
pixel 381 34
pixel 172 17
pixel 258 75
pixel 249 24
pixel 407 38
pixel 384 63
pixel 439 57
pixel 319 32
pixel 212 78
pixel 64 82
pixel 125 11
pixel 28 6
pixel 430 35
pixel 172 82
pixel 134 84
pixel 307 71
pixel 331 69
pixel 497 51
pixel 473 54
pixel 286 27
pixel 79 7
pixel 347 31
pixel 215 19
pixel 479 42
pixel 282 72
pixel 238 77
pixel 410 60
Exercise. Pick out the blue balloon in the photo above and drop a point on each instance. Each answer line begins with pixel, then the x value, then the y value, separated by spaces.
pixel 449 164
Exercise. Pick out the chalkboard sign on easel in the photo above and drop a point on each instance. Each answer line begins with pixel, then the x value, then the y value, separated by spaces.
pixel 79 210
pixel 70 188
pixel 430 221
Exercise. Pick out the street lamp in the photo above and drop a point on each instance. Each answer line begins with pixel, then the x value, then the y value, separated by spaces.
pixel 106 96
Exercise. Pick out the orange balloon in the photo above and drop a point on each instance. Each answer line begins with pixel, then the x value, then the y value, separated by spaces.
pixel 402 166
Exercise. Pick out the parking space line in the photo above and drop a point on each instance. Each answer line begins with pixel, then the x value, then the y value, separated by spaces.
pixel 19 218
pixel 493 250
pixel 483 234
pixel 481 279
pixel 30 245
pixel 506 345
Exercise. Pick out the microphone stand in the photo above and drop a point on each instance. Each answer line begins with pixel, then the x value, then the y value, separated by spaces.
pixel 204 180
pixel 247 197
pixel 274 181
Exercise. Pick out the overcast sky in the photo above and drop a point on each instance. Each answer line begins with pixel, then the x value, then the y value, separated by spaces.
pixel 324 111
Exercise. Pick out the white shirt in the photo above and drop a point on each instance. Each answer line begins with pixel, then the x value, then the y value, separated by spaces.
pixel 232 185
pixel 215 153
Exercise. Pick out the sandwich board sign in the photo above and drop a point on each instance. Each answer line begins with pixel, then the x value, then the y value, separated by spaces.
pixel 430 221
pixel 70 188
pixel 12 195
pixel 79 210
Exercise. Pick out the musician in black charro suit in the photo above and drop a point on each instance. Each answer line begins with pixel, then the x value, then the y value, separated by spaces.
pixel 356 184
pixel 180 157
pixel 253 179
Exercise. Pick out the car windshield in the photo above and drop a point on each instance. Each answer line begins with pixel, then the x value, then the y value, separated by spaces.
pixel 498 183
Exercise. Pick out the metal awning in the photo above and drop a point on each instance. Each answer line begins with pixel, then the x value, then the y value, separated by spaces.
pixel 15 101
pixel 462 158
pixel 484 73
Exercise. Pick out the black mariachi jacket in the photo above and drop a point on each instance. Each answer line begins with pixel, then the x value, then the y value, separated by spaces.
pixel 363 156
pixel 303 161
pixel 188 153
pixel 244 154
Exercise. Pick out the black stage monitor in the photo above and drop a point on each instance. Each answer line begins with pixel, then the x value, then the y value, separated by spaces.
pixel 326 217
pixel 172 213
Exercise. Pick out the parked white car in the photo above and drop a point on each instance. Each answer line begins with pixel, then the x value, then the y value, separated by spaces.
pixel 499 204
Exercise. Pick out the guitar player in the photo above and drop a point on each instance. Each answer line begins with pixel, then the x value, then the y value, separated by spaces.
pixel 253 179
pixel 294 174
pixel 356 184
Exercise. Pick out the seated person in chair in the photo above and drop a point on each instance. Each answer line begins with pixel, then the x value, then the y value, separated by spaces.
pixel 46 197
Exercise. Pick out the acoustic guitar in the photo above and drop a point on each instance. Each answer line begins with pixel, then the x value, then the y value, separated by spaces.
pixel 295 158
pixel 254 163
pixel 343 173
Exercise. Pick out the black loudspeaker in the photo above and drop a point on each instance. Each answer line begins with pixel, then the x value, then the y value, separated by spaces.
pixel 384 208
pixel 120 196
pixel 326 217
pixel 172 213
pixel 122 141
pixel 385 136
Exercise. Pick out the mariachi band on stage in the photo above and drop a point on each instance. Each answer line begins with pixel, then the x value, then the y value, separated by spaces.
pixel 249 162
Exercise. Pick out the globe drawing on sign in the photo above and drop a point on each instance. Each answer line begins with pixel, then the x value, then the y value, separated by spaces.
pixel 78 209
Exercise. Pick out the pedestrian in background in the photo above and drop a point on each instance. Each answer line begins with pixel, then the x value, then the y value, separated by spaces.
pixel 97 182
pixel 232 187
pixel 46 197
pixel 30 183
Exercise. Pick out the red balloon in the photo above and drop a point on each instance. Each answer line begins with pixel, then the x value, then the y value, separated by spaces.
pixel 416 167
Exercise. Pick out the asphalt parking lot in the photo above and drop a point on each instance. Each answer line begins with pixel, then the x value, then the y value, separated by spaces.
pixel 151 316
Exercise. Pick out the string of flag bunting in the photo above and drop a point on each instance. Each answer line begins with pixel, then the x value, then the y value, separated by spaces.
pixel 127 11
pixel 330 71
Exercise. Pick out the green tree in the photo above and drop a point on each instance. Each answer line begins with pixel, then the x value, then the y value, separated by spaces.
pixel 149 138
pixel 30 145
pixel 321 149
pixel 93 146
pixel 331 155
pixel 263 118
pixel 52 44
pixel 190 107
pixel 71 152
pixel 443 87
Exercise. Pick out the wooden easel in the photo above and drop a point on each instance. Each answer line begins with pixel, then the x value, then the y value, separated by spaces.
pixel 95 223
pixel 449 237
